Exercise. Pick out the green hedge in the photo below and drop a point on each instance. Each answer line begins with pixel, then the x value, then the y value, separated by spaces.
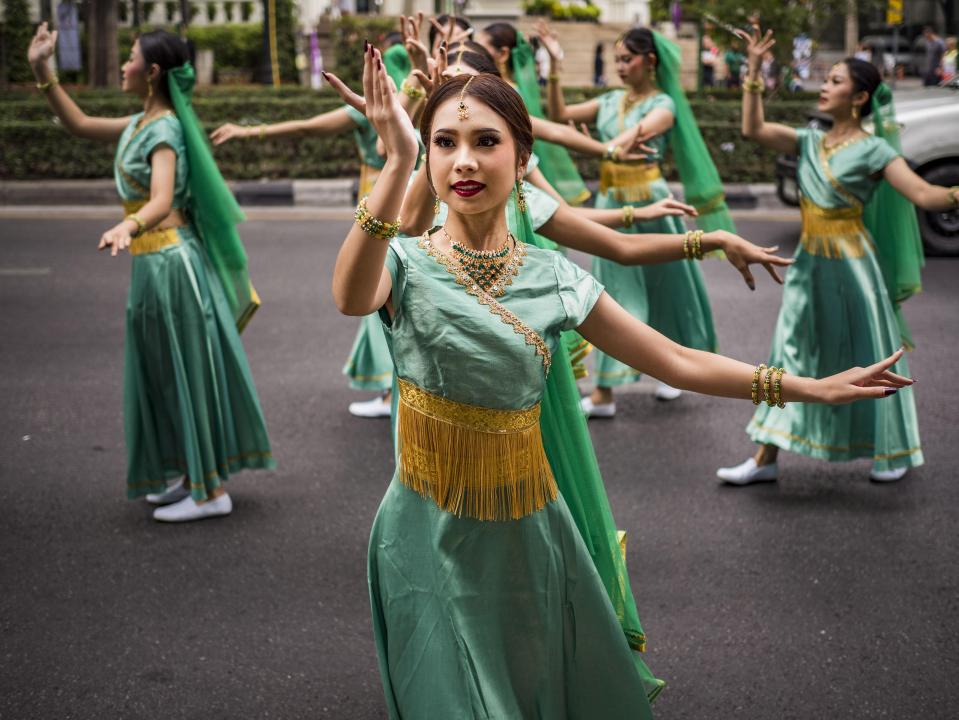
pixel 33 146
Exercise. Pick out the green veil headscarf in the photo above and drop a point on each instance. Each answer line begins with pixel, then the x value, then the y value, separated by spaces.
pixel 702 186
pixel 398 63
pixel 572 458
pixel 214 211
pixel 554 160
pixel 891 220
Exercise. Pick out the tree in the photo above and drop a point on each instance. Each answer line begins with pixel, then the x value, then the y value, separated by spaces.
pixel 284 13
pixel 16 34
pixel 103 57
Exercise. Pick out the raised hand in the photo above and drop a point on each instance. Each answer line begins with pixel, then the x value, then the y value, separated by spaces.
pixel 228 131
pixel 875 381
pixel 42 46
pixel 451 33
pixel 741 254
pixel 415 48
pixel 437 72
pixel 756 45
pixel 549 39
pixel 384 110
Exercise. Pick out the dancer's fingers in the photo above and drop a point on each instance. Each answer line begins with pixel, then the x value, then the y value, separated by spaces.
pixel 771 269
pixel 355 101
pixel 748 276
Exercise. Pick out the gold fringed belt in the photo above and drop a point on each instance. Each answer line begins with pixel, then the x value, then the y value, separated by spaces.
pixel 152 240
pixel 479 462
pixel 832 232
pixel 368 176
pixel 628 182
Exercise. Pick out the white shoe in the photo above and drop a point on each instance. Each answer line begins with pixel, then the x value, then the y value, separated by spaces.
pixel 188 509
pixel 667 392
pixel 597 410
pixel 748 473
pixel 172 494
pixel 376 408
pixel 885 476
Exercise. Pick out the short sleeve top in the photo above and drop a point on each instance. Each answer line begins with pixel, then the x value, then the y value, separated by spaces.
pixel 611 120
pixel 133 170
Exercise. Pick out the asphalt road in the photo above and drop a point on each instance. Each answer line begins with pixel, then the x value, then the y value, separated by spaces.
pixel 822 596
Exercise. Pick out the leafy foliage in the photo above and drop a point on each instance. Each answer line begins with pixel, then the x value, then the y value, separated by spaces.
pixel 17 31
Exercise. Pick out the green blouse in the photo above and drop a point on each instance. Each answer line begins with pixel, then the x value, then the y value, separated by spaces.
pixel 855 168
pixel 132 169
pixel 366 138
pixel 611 121
pixel 449 344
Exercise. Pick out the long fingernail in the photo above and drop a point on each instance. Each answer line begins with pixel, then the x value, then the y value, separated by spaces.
pixel 366 46
pixel 378 64
pixel 890 391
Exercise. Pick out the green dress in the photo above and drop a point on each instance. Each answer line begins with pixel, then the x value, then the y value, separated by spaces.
pixel 836 314
pixel 189 403
pixel 670 297
pixel 490 619
pixel 369 366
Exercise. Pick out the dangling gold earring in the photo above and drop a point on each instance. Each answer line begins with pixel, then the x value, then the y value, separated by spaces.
pixel 520 196
pixel 855 112
pixel 436 205
pixel 149 89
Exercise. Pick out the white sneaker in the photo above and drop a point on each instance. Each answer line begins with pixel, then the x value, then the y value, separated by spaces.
pixel 667 392
pixel 748 473
pixel 188 509
pixel 376 408
pixel 172 494
pixel 598 410
pixel 884 476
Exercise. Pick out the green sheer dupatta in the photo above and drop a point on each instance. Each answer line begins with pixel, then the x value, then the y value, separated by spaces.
pixel 213 209
pixel 554 160
pixel 569 449
pixel 891 220
pixel 702 186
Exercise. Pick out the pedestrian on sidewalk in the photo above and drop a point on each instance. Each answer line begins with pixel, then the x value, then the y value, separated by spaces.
pixel 190 407
pixel 935 49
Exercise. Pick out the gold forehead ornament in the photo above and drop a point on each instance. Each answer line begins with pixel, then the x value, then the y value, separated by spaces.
pixel 463 110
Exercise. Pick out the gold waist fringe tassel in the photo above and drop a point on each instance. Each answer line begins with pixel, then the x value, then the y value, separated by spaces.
pixel 474 461
pixel 832 232
pixel 628 182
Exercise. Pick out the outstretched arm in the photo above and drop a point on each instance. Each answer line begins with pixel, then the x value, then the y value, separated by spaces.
pixel 918 191
pixel 616 332
pixel 71 116
pixel 772 135
pixel 556 103
pixel 329 123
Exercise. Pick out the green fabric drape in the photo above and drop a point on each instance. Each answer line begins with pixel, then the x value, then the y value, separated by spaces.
pixel 891 220
pixel 573 461
pixel 398 63
pixel 214 211
pixel 554 160
pixel 702 186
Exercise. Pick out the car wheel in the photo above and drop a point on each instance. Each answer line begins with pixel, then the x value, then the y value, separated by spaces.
pixel 940 230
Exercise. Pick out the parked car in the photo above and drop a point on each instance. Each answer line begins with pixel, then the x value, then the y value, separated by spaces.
pixel 928 119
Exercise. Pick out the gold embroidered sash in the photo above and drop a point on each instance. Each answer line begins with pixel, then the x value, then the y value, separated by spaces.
pixel 152 240
pixel 628 182
pixel 368 176
pixel 832 232
pixel 479 462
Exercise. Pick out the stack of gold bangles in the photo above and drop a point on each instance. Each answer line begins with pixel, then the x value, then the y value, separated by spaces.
pixel 753 86
pixel 628 211
pixel 693 245
pixel 141 226
pixel 770 385
pixel 414 93
pixel 373 226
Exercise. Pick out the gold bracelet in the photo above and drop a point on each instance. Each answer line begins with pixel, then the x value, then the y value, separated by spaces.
pixel 553 77
pixel 373 226
pixel 141 226
pixel 628 216
pixel 778 386
pixel 754 86
pixel 755 386
pixel 693 244
pixel 698 238
pixel 412 92
pixel 954 193
pixel 262 133
pixel 768 387
pixel 45 87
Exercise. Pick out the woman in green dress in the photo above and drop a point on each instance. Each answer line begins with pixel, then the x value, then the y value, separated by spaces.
pixel 190 407
pixel 485 600
pixel 839 305
pixel 671 297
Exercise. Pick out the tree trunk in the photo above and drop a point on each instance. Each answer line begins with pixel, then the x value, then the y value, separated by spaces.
pixel 852 27
pixel 103 51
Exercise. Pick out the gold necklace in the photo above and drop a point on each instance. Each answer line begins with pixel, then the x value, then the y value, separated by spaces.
pixel 491 270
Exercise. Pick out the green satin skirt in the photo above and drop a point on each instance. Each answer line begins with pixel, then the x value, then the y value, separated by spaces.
pixel 189 403
pixel 370 366
pixel 835 315
pixel 671 297
pixel 508 619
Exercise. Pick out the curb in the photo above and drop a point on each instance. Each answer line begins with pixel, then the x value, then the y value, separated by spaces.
pixel 333 192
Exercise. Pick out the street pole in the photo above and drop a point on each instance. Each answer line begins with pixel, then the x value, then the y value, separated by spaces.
pixel 269 71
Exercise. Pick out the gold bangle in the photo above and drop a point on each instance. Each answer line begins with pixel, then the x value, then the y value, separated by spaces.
pixel 553 77
pixel 373 226
pixel 755 386
pixel 954 194
pixel 778 387
pixel 693 244
pixel 141 225
pixel 768 387
pixel 754 86
pixel 410 91
pixel 628 211
pixel 262 133
pixel 45 87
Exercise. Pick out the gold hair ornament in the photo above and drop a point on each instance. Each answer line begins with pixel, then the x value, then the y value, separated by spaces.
pixel 462 110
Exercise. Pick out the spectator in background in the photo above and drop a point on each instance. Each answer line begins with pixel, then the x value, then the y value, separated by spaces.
pixel 708 58
pixel 734 60
pixel 935 50
pixel 863 52
pixel 599 67
pixel 770 71
pixel 949 59
pixel 541 55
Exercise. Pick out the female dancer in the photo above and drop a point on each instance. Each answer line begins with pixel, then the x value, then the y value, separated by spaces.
pixel 486 631
pixel 369 366
pixel 190 407
pixel 671 297
pixel 837 306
